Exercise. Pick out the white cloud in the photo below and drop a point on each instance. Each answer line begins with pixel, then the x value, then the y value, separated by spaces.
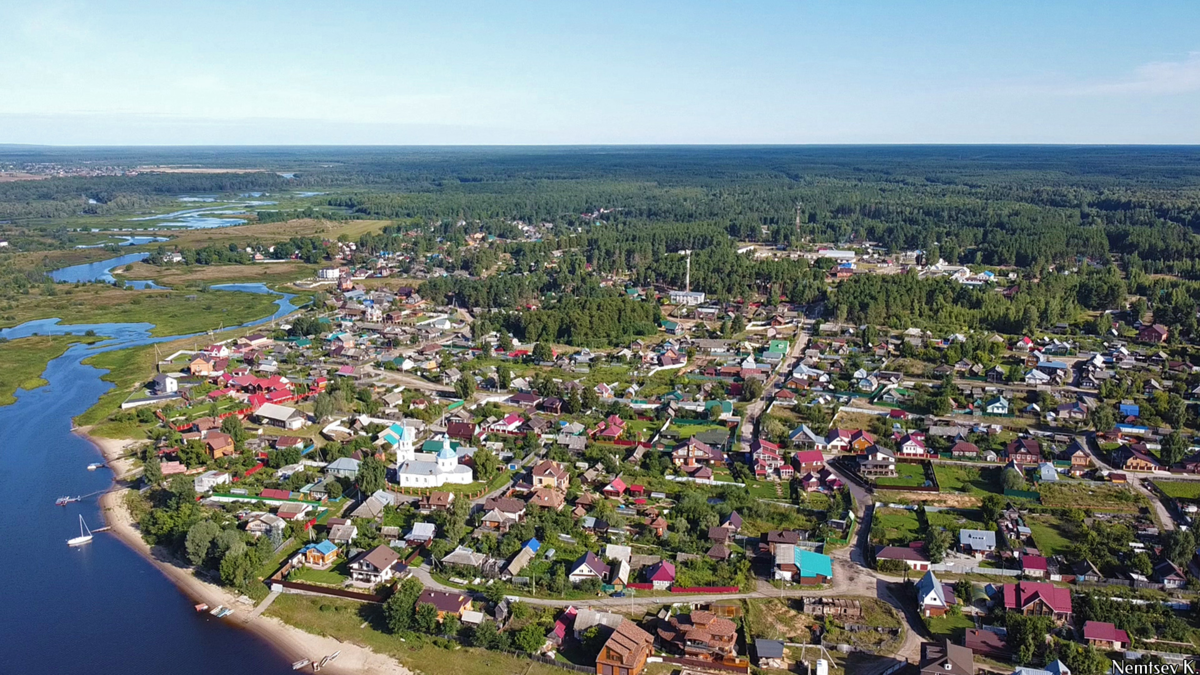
pixel 1158 77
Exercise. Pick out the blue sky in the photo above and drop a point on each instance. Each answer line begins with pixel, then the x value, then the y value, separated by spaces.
pixel 301 72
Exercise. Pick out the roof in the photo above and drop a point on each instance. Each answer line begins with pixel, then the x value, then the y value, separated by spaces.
pixel 947 658
pixel 1025 593
pixel 444 601
pixel 627 643
pixel 380 557
pixel 1102 630
pixel 930 584
pixel 273 411
pixel 591 561
pixel 768 649
pixel 813 564
pixel 900 553
pixel 980 539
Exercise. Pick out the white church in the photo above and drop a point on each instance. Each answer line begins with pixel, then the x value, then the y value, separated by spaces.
pixel 425 469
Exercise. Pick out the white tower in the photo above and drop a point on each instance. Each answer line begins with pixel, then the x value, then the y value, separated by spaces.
pixel 687 279
pixel 447 458
pixel 405 442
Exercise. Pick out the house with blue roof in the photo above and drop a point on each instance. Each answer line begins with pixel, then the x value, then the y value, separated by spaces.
pixel 796 564
pixel 320 555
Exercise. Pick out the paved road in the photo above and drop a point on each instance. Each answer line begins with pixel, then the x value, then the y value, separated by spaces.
pixel 412 382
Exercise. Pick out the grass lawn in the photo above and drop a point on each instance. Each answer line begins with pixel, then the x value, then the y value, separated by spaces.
pixel 341 619
pixel 25 360
pixel 899 526
pixel 329 577
pixel 970 519
pixel 181 276
pixel 907 475
pixel 1048 535
pixel 1179 489
pixel 686 431
pixel 1064 494
pixel 967 479
pixel 949 626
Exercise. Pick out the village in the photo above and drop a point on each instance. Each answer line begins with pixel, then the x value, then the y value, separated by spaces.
pixel 751 487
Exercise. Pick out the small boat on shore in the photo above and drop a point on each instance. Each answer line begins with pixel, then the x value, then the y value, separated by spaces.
pixel 95 465
pixel 224 613
pixel 217 610
pixel 202 607
pixel 297 665
pixel 63 501
pixel 85 535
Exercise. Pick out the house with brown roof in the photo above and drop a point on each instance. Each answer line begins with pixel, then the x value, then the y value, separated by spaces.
pixel 946 658
pixel 435 501
pixel 1156 333
pixel 913 557
pixel 1105 636
pixel 547 498
pixel 699 635
pixel 445 602
pixel 1024 451
pixel 550 474
pixel 376 566
pixel 219 445
pixel 625 651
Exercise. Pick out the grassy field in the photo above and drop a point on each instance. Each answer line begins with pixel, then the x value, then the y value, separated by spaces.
pixel 344 619
pixel 172 313
pixel 182 276
pixel 1090 496
pixel 966 479
pixel 269 233
pixel 25 360
pixel 1048 535
pixel 329 577
pixel 776 619
pixel 1179 489
pixel 899 526
pixel 950 626
pixel 907 475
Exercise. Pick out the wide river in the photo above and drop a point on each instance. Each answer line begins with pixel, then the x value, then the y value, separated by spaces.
pixel 102 608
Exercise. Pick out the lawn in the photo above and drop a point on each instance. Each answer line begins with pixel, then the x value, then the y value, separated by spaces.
pixel 1090 496
pixel 899 526
pixel 1048 535
pixel 970 519
pixel 949 626
pixel 330 577
pixel 686 431
pixel 966 479
pixel 344 619
pixel 25 360
pixel 907 475
pixel 176 276
pixel 1179 489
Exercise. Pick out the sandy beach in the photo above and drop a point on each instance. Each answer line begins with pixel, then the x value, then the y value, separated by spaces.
pixel 293 643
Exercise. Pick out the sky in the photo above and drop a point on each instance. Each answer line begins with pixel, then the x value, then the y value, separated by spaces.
pixel 125 72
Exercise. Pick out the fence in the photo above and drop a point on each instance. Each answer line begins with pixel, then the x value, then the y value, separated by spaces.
pixel 708 665
pixel 322 590
pixel 705 589
pixel 959 569
pixel 1024 494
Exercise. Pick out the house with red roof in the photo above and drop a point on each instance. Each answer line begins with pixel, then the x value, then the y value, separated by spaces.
pixel 1105 636
pixel 911 446
pixel 614 489
pixel 808 461
pixel 1034 566
pixel 661 574
pixel 1038 598
pixel 610 429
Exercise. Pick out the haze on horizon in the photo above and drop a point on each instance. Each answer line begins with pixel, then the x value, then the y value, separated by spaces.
pixel 129 72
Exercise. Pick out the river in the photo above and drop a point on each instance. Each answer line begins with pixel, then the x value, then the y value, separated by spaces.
pixel 101 608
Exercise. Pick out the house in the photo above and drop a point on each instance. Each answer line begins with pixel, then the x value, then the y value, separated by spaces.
pixel 808 461
pixel 164 384
pixel 1035 566
pixel 1169 575
pixel 614 489
pixel 321 555
pixel 878 463
pixel 219 445
pixel 770 654
pixel 1105 636
pixel 589 566
pixel 376 566
pixel 964 449
pixel 1133 458
pixel 1023 451
pixel 435 501
pixel 911 446
pixel 547 498
pixel 661 575
pixel 1035 598
pixel 522 558
pixel 699 635
pixel 694 452
pixel 625 651
pixel 279 416
pixel 445 602
pixel 343 533
pixel 343 467
pixel 209 480
pixel 914 558
pixel 258 524
pixel 464 432
pixel 550 475
pixel 1156 333
pixel 996 406
pixel 977 542
pixel 933 597
pixel 793 563
pixel 946 658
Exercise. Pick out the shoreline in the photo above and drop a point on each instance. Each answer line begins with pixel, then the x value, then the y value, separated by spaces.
pixel 290 642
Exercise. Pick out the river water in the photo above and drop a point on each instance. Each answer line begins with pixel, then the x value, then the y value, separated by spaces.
pixel 101 608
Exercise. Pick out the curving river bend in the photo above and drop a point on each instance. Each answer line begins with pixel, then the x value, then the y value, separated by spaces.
pixel 101 608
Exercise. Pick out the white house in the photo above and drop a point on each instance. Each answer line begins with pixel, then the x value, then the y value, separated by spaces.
pixel 279 416
pixel 209 480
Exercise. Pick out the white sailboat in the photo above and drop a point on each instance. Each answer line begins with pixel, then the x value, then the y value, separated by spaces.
pixel 85 535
